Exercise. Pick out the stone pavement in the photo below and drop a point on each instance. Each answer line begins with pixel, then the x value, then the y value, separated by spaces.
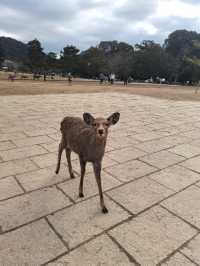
pixel 151 179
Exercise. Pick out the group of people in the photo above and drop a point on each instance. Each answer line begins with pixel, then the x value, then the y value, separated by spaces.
pixel 111 78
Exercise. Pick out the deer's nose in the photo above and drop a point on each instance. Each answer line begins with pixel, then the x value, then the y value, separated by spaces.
pixel 100 131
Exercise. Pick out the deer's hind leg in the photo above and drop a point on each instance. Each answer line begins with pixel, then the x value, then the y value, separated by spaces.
pixel 68 156
pixel 60 150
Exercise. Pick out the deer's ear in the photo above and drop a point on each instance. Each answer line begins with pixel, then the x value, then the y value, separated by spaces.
pixel 114 118
pixel 88 118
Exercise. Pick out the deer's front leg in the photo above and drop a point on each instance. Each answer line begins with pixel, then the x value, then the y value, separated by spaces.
pixel 82 165
pixel 97 172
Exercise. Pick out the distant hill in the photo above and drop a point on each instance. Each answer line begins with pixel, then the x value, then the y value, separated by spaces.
pixel 14 50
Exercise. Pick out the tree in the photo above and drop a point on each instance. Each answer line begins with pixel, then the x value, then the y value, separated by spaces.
pixel 92 62
pixel 150 60
pixel 51 62
pixel 2 56
pixel 69 51
pixel 108 47
pixel 35 56
pixel 52 55
pixel 120 59
pixel 180 42
pixel 184 47
pixel 69 59
pixel 190 67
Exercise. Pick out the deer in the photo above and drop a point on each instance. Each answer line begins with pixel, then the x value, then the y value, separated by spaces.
pixel 86 137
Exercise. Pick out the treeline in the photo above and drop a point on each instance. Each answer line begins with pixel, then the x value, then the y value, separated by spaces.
pixel 13 49
pixel 178 59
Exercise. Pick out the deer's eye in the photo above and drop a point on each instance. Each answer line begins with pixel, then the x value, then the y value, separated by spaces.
pixel 94 124
pixel 106 124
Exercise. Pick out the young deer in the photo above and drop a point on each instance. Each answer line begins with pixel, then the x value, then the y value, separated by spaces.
pixel 88 139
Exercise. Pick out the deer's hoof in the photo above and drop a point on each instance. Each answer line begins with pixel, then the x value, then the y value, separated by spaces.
pixel 105 210
pixel 81 195
pixel 56 171
pixel 72 176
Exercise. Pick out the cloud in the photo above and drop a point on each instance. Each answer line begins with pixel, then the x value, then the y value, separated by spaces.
pixel 85 23
pixel 178 8
pixel 136 10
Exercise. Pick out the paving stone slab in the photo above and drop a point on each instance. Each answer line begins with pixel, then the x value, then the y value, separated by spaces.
pixel 192 249
pixel 158 125
pixel 50 159
pixel 100 251
pixel 186 150
pixel 84 220
pixel 195 143
pixel 20 153
pixel 6 145
pixel 153 146
pixel 147 136
pixel 193 134
pixel 9 188
pixel 31 141
pixel 117 134
pixel 175 177
pixel 130 170
pixel 186 205
pixel 90 187
pixel 140 194
pixel 7 128
pixel 198 184
pixel 193 164
pixel 161 144
pixel 177 139
pixel 168 131
pixel 51 147
pixel 43 177
pixel 45 160
pixel 12 136
pixel 178 260
pixel 125 154
pixel 16 167
pixel 32 245
pixel 23 209
pixel 40 132
pixel 153 235
pixel 162 159
pixel 118 143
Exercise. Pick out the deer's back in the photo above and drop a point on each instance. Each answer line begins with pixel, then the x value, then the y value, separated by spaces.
pixel 75 132
pixel 74 124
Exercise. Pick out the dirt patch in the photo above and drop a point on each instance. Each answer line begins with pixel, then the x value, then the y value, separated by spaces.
pixel 29 87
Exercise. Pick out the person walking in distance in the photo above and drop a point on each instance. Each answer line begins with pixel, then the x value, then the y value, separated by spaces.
pixel 101 78
pixel 125 79
pixel 69 77
pixel 112 78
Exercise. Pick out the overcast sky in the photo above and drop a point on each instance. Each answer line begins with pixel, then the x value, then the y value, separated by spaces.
pixel 85 23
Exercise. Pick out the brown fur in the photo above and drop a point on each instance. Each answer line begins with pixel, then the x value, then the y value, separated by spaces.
pixel 87 138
